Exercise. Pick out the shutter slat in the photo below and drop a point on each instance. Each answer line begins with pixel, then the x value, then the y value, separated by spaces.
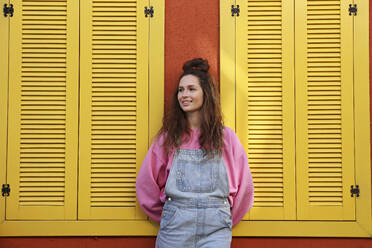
pixel 41 170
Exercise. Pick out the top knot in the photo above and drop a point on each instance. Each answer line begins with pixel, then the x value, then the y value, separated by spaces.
pixel 196 64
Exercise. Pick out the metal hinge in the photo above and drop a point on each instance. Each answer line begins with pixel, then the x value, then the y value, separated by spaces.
pixel 149 11
pixel 5 190
pixel 8 10
pixel 235 10
pixel 355 191
pixel 353 9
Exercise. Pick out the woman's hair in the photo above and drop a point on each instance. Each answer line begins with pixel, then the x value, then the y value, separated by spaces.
pixel 175 123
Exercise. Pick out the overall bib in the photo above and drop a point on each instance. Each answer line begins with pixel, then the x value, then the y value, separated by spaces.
pixel 196 213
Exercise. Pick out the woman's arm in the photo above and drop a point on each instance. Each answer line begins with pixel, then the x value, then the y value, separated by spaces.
pixel 149 182
pixel 243 199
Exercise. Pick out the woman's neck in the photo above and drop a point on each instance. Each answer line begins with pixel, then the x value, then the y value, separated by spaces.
pixel 194 120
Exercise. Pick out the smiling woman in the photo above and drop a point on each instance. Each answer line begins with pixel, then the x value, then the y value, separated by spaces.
pixel 195 179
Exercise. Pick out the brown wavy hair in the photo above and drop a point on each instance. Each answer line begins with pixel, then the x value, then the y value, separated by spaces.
pixel 175 123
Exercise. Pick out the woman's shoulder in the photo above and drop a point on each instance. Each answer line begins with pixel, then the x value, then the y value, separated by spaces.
pixel 157 147
pixel 229 133
pixel 231 139
pixel 159 139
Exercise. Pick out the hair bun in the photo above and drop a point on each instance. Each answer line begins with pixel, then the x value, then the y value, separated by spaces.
pixel 196 64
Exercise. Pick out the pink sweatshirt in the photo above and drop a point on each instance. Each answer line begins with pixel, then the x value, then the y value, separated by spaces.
pixel 156 166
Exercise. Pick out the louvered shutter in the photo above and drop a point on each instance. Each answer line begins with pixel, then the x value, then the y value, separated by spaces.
pixel 265 104
pixel 113 107
pixel 43 123
pixel 324 110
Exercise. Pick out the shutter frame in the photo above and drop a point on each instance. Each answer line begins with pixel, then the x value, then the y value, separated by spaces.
pixel 227 63
pixel 325 145
pixel 4 81
pixel 36 205
pixel 274 187
pixel 110 201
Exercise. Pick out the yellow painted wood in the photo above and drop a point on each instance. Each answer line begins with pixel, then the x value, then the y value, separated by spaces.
pixel 149 228
pixel 155 81
pixel 40 137
pixel 114 105
pixel 324 112
pixel 156 68
pixel 362 115
pixel 265 104
pixel 301 229
pixel 227 63
pixel 361 227
pixel 4 82
pixel 72 88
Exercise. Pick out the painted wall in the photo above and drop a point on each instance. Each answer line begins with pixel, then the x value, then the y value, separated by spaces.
pixel 118 242
pixel 191 30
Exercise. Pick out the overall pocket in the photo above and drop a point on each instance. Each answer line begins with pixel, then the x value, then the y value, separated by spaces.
pixel 168 214
pixel 196 176
pixel 224 217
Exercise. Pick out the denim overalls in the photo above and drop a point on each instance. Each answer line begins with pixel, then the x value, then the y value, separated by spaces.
pixel 196 213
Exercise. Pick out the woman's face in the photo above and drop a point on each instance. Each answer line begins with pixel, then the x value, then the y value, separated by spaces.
pixel 190 94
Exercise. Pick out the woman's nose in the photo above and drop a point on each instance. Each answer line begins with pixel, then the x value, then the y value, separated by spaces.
pixel 185 93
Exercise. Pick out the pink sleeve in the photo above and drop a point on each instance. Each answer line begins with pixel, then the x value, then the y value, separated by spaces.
pixel 243 199
pixel 239 173
pixel 151 181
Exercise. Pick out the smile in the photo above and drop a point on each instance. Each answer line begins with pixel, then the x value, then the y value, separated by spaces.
pixel 186 102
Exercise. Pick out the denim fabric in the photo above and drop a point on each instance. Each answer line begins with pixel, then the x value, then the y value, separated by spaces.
pixel 196 213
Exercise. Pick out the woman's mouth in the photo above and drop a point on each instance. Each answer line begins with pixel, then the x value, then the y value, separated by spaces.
pixel 186 102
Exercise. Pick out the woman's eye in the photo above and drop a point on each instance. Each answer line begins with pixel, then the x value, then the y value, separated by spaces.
pixel 180 90
pixel 192 89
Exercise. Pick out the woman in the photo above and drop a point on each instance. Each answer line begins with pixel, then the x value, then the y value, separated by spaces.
pixel 195 178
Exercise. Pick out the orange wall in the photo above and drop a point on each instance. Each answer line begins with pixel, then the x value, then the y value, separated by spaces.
pixel 191 30
pixel 119 242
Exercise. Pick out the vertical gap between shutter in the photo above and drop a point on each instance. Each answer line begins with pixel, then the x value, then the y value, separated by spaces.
pixel 79 117
pixel 294 102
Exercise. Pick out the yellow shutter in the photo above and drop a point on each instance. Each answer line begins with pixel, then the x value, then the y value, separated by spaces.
pixel 113 108
pixel 324 110
pixel 43 91
pixel 265 104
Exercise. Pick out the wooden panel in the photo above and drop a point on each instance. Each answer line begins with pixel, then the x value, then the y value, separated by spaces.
pixel 228 63
pixel 4 81
pixel 43 110
pixel 265 104
pixel 324 111
pixel 114 102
